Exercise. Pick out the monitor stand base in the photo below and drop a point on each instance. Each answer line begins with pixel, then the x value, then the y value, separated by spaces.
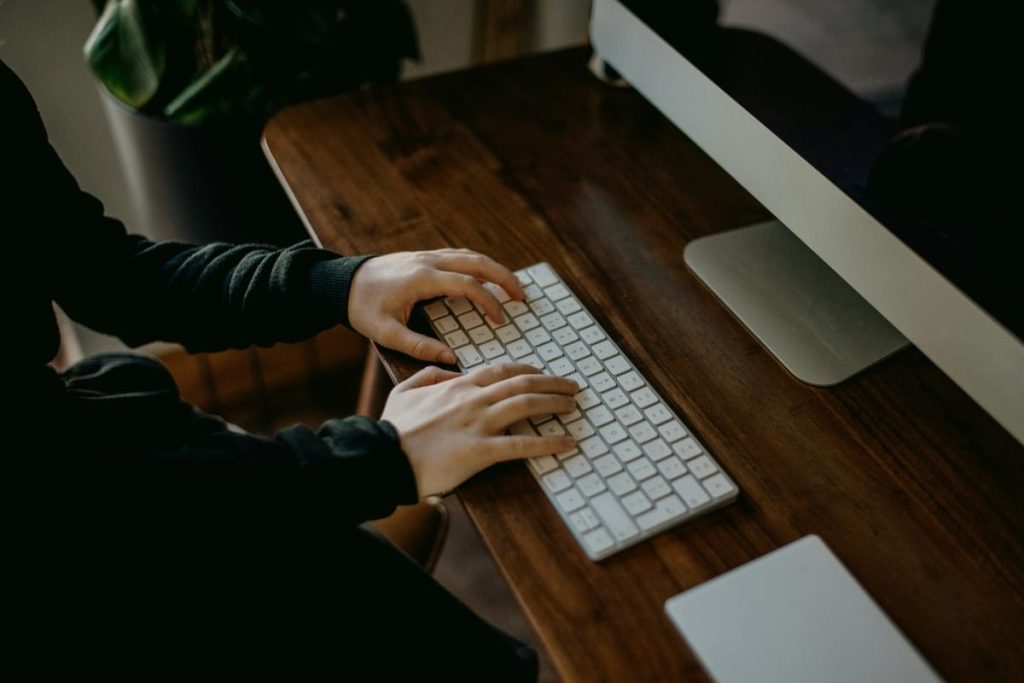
pixel 814 323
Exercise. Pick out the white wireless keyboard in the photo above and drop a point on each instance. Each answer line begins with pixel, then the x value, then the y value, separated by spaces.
pixel 637 469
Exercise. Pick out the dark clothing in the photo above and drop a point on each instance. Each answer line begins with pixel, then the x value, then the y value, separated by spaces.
pixel 145 530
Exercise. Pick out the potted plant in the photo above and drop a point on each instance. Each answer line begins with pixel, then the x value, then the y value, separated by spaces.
pixel 189 84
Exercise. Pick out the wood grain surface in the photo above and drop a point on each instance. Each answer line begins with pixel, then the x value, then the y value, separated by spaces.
pixel 912 485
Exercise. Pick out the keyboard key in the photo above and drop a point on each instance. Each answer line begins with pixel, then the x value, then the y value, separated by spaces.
pixel 589 366
pixel 613 433
pixel 657 449
pixel 436 310
pixel 481 334
pixel 593 447
pixel 551 428
pixel 572 416
pixel 591 485
pixel 584 519
pixel 515 308
pixel 687 448
pixel 692 493
pixel 549 351
pixel 532 292
pixel 470 320
pixel 561 367
pixel 577 466
pixel 499 360
pixel 553 321
pixel 580 319
pixel 668 508
pixel 542 274
pixel 635 503
pixel 615 398
pixel 644 397
pixel 598 541
pixel 565 335
pixel 577 350
pixel 588 398
pixel 658 414
pixel 518 349
pixel 604 350
pixel 570 500
pixel 641 469
pixel 446 324
pixel 492 349
pixel 628 415
pixel 643 432
pixel 533 360
pixel 580 380
pixel 543 464
pixel 562 457
pixel 508 333
pixel 524 278
pixel 602 382
pixel 468 356
pixel 656 487
pixel 630 381
pixel 614 517
pixel 592 334
pixel 718 486
pixel 607 465
pixel 538 336
pixel 569 306
pixel 599 416
pixel 557 481
pixel 499 293
pixel 580 429
pixel 702 467
pixel 556 292
pixel 456 339
pixel 621 483
pixel 627 450
pixel 542 307
pixel 617 365
pixel 526 322
pixel 459 305
pixel 672 431
pixel 672 468
pixel 540 419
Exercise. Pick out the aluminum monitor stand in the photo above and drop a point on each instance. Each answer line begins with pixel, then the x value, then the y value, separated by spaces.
pixel 814 323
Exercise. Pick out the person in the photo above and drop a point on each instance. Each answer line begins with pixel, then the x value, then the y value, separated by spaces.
pixel 148 536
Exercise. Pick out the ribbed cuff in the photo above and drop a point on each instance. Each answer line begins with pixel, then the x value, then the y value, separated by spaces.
pixel 330 282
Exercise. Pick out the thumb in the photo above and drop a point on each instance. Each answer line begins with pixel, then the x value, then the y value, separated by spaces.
pixel 400 338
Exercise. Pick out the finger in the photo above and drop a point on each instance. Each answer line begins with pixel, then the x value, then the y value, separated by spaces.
pixel 490 374
pixel 460 284
pixel 523 406
pixel 484 267
pixel 397 336
pixel 426 377
pixel 515 447
pixel 528 384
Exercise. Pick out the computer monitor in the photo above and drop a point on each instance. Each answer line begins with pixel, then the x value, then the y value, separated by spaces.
pixel 842 285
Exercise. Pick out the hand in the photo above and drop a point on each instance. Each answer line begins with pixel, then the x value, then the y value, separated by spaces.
pixel 385 288
pixel 451 426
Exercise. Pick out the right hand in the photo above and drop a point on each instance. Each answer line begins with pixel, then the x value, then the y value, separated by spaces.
pixel 451 425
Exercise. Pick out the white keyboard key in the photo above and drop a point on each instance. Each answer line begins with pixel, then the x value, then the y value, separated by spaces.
pixel 718 486
pixel 598 541
pixel 580 320
pixel 514 308
pixel 571 416
pixel 537 420
pixel 672 468
pixel 526 322
pixel 692 493
pixel 551 428
pixel 602 382
pixel 656 487
pixel 524 278
pixel 580 429
pixel 584 519
pixel 500 360
pixel 604 350
pixel 533 360
pixel 481 334
pixel 636 502
pixel 570 500
pixel 436 310
pixel 557 481
pixel 591 485
pixel 607 465
pixel 589 366
pixel 577 350
pixel 446 324
pixel 577 466
pixel 672 431
pixel 470 320
pixel 508 333
pixel 627 451
pixel 657 449
pixel 687 448
pixel 459 305
pixel 565 336
pixel 538 336
pixel 580 380
pixel 532 292
pixel 614 517
pixel 542 274
pixel 542 307
pixel 592 334
pixel 644 397
pixel 628 415
pixel 643 432
pixel 492 349
pixel 641 469
pixel 553 321
pixel 599 416
pixel 569 306
pixel 588 398
pixel 702 467
pixel 593 447
pixel 543 464
pixel 617 365
pixel 562 457
pixel 658 414
pixel 613 433
pixel 630 381
pixel 621 483
pixel 556 292
pixel 456 339
pixel 561 367
pixel 549 351
pixel 615 398
pixel 667 508
pixel 499 293
pixel 518 349
pixel 468 356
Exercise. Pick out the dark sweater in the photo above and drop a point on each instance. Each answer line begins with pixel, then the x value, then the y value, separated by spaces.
pixel 116 447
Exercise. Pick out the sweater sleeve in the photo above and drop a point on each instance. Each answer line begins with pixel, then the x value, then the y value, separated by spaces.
pixel 204 297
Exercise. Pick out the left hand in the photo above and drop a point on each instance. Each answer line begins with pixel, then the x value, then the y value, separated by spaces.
pixel 385 288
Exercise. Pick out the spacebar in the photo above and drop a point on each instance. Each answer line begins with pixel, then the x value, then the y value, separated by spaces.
pixel 614 517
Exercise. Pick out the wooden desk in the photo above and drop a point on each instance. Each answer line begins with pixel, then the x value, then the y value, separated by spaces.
pixel 917 490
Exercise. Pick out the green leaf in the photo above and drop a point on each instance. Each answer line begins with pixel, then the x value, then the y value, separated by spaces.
pixel 125 54
pixel 217 92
